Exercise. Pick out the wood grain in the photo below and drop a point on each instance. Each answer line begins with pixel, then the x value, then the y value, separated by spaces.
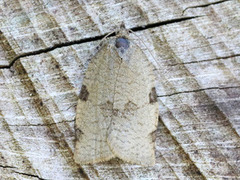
pixel 194 46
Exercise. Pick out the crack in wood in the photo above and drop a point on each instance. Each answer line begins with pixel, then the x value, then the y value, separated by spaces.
pixel 162 23
pixel 204 5
pixel 198 90
pixel 2 166
pixel 30 175
pixel 95 38
pixel 206 60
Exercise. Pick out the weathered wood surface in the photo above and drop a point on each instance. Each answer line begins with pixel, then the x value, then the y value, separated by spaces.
pixel 195 47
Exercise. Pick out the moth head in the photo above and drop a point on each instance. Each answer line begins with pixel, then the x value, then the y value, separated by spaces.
pixel 122 44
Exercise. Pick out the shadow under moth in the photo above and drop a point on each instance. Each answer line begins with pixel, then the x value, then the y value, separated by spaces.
pixel 117 110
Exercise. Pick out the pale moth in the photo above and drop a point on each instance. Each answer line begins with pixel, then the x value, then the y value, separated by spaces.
pixel 117 110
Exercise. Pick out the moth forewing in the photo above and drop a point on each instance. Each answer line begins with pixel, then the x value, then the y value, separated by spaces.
pixel 117 111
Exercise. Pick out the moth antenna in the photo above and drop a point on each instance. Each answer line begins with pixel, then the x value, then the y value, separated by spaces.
pixel 104 38
pixel 100 43
pixel 142 43
pixel 112 32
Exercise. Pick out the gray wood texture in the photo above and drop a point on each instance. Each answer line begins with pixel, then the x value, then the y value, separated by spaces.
pixel 195 48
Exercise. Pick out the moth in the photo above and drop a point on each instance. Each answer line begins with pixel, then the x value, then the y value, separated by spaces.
pixel 117 110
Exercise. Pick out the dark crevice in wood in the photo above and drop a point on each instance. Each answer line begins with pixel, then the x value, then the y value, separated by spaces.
pixel 2 166
pixel 30 175
pixel 205 60
pixel 205 5
pixel 162 23
pixel 96 38
pixel 198 90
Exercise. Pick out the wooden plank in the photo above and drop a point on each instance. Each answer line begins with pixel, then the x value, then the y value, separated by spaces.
pixel 197 69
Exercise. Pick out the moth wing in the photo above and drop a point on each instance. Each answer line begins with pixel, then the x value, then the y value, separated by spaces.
pixel 94 109
pixel 135 117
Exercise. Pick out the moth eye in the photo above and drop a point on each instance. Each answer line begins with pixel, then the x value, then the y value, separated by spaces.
pixel 122 43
